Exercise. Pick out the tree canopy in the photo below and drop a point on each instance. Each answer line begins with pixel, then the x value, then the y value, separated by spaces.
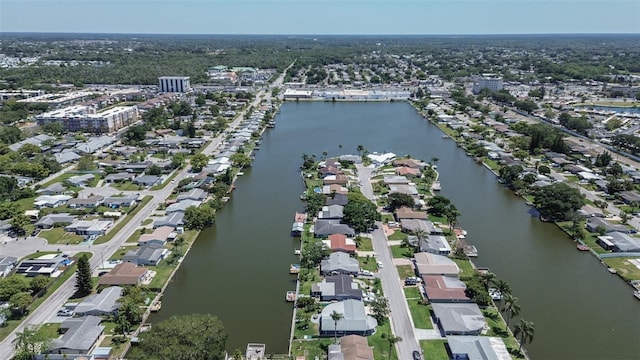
pixel 558 202
pixel 360 212
pixel 194 336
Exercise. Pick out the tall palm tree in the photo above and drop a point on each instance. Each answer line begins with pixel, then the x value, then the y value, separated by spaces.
pixel 340 148
pixel 391 340
pixel 487 279
pixel 421 235
pixel 525 329
pixel 336 316
pixel 452 214
pixel 504 288
pixel 511 307
pixel 360 149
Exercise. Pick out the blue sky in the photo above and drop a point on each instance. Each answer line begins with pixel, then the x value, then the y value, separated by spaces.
pixel 430 17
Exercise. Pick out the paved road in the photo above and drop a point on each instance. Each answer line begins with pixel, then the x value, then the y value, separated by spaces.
pixel 104 251
pixel 401 321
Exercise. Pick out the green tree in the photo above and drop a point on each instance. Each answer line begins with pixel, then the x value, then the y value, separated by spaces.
pixel 558 202
pixel 19 302
pixel 525 330
pixel 511 307
pixel 380 309
pixel 313 253
pixel 503 287
pixel 438 205
pixel 398 200
pixel 153 169
pixel 30 342
pixel 336 316
pixel 177 160
pixel 19 224
pixel 360 212
pixel 84 283
pixel 86 163
pixel 198 218
pixel 28 150
pixel 391 340
pixel 315 202
pixel 53 128
pixel 39 283
pixel 452 214
pixel 194 336
pixel 240 160
pixel 12 285
pixel 199 161
pixel 544 169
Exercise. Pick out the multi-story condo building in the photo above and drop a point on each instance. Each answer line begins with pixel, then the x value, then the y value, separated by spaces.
pixel 487 81
pixel 86 119
pixel 180 84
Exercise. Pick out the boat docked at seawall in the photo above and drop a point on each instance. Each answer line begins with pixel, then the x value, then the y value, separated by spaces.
pixel 436 186
pixel 291 296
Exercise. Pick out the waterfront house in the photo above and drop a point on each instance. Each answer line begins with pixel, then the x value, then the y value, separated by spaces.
pixel 354 320
pixel 79 335
pixel 336 288
pixel 125 273
pixel 410 163
pixel 193 194
pixel 477 347
pixel 619 242
pixel 432 264
pixel 459 318
pixel 173 220
pixel 380 159
pixel 331 212
pixel 158 237
pixel 414 225
pixel 435 244
pixel 339 263
pixel 340 242
pixel 337 199
pixel 51 220
pixel 351 347
pixel 101 304
pixel 182 206
pixel 90 202
pixel 404 189
pixel 339 179
pixel 334 189
pixel 395 180
pixel 407 171
pixel 444 289
pixel 408 213
pixel 145 255
pixel 324 228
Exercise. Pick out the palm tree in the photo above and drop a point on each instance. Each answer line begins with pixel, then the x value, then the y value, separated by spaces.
pixel 452 214
pixel 324 155
pixel 340 148
pixel 504 288
pixel 391 340
pixel 511 307
pixel 360 149
pixel 336 316
pixel 421 235
pixel 525 329
pixel 487 278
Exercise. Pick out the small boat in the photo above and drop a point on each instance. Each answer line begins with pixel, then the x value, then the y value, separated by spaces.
pixel 291 296
pixel 294 269
pixel 436 186
pixel 296 252
pixel 582 247
pixel 612 270
pixel 156 306
pixel 495 294
pixel 637 294
pixel 471 251
pixel 240 173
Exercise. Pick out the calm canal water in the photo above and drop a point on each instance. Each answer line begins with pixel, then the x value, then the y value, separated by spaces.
pixel 238 270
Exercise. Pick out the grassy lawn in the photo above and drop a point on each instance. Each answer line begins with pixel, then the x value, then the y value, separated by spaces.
pixel 380 345
pixel 398 235
pixel 625 268
pixel 498 328
pixel 466 270
pixel 163 271
pixel 364 244
pixel 387 217
pixel 405 271
pixel 147 222
pixel 307 278
pixel 420 313
pixel 434 349
pixel 312 349
pixel 24 204
pixel 36 255
pixel 412 293
pixel 311 183
pixel 126 186
pixel 590 240
pixel 401 252
pixel 492 164
pixel 438 219
pixel 59 236
pixel 122 222
pixel 133 239
pixel 368 263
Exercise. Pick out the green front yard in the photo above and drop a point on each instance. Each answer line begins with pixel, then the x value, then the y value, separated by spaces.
pixel 434 349
pixel 466 269
pixel 626 269
pixel 398 235
pixel 59 236
pixel 405 271
pixel 399 252
pixel 364 244
pixel 420 313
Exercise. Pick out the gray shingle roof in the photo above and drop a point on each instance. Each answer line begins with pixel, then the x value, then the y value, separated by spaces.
pixel 459 318
pixel 340 262
pixel 354 317
pixel 81 333
pixel 106 302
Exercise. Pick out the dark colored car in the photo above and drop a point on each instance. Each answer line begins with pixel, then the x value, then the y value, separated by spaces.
pixel 416 355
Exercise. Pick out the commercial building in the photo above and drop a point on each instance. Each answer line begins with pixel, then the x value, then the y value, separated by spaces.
pixel 86 119
pixel 487 81
pixel 179 84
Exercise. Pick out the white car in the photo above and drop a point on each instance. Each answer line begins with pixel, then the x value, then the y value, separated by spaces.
pixel 65 312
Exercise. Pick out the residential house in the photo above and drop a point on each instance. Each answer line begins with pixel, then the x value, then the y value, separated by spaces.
pixel 193 194
pixel 66 156
pixel 339 263
pixel 395 180
pixel 137 168
pixel 101 304
pixel 53 189
pixel 459 318
pixel 408 213
pixel 90 202
pixel 7 263
pixel 336 288
pixel 115 202
pixel 435 244
pixel 337 199
pixel 630 197
pixel 331 212
pixel 89 227
pixel 380 159
pixel 619 242
pixel 125 273
pixel 119 177
pixel 594 223
pixel 145 255
pixel 182 206
pixel 407 171
pixel 48 265
pixel 80 180
pixel 444 289
pixel 328 227
pixel 432 264
pixel 334 189
pixel 51 201
pixel 410 163
pixel 52 220
pixel 173 220
pixel 477 348
pixel 351 347
pixel 339 179
pixel 158 237
pixel 404 189
pixel 416 225
pixel 354 319
pixel 590 211
pixel 80 334
pixel 340 242
pixel 146 180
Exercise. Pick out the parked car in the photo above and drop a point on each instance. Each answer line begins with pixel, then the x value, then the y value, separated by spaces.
pixel 416 355
pixel 65 312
